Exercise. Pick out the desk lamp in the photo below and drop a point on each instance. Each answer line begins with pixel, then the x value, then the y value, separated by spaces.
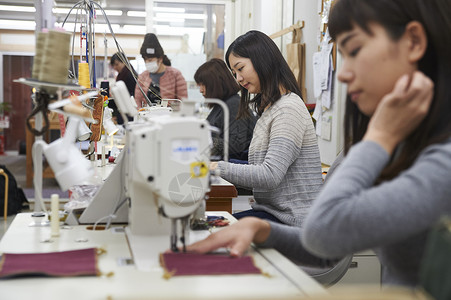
pixel 108 124
pixel 67 162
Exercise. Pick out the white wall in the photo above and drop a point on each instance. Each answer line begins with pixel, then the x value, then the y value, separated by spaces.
pixel 268 16
pixel 307 10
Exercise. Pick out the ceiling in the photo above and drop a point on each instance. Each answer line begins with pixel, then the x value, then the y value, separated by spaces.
pixel 122 5
pixel 110 4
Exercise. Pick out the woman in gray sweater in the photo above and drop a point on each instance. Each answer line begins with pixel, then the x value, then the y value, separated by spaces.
pixel 284 167
pixel 393 185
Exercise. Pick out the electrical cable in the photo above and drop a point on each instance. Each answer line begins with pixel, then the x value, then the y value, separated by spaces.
pixel 42 103
pixel 88 7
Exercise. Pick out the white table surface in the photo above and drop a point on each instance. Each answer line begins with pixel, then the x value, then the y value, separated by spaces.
pixel 286 280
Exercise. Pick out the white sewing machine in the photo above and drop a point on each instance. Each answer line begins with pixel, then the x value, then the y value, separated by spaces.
pixel 163 172
pixel 167 177
pixel 153 111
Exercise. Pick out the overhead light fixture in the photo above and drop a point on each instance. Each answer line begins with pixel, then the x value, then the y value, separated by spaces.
pixel 113 12
pixel 19 25
pixel 138 14
pixel 181 16
pixel 169 9
pixel 63 11
pixel 108 12
pixel 17 8
pixel 142 14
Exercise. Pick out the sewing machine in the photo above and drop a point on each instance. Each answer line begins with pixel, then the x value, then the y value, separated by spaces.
pixel 167 177
pixel 163 172
pixel 153 111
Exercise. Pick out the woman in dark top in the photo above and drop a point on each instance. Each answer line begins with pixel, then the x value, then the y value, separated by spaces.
pixel 127 76
pixel 124 73
pixel 216 81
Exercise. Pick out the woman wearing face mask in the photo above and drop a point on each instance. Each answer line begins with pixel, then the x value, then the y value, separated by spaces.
pixel 284 169
pixel 160 80
pixel 393 185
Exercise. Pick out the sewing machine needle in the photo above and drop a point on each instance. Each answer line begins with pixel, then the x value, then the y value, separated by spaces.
pixel 182 238
pixel 174 236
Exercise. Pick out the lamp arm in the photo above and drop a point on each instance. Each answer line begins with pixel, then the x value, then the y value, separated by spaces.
pixel 37 152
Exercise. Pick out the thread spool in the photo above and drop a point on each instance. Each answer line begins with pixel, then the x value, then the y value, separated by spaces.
pixel 56 58
pixel 103 156
pixel 39 48
pixel 55 220
pixel 83 75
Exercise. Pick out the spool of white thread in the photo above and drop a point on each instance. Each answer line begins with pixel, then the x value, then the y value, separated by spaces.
pixel 55 221
pixel 103 156
pixel 40 47
pixel 56 58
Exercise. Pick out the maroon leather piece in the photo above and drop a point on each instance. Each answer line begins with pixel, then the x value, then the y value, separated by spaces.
pixel 66 263
pixel 179 264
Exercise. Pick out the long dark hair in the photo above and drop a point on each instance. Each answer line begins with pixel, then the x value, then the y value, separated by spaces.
pixel 120 56
pixel 217 79
pixel 272 70
pixel 394 15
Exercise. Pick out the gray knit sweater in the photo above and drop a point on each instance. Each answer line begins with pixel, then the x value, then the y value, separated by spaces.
pixel 284 168
pixel 351 214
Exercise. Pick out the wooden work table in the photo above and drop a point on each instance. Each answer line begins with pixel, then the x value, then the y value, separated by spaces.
pixel 220 196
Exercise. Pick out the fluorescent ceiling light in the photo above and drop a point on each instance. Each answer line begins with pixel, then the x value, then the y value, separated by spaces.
pixel 134 13
pixel 64 11
pixel 169 9
pixel 108 12
pixel 142 14
pixel 112 12
pixel 18 8
pixel 180 16
pixel 15 24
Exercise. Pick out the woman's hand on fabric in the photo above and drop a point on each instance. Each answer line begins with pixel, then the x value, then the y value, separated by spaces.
pixel 236 238
pixel 400 112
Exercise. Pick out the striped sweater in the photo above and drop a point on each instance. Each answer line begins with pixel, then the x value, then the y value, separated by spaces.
pixel 172 85
pixel 284 168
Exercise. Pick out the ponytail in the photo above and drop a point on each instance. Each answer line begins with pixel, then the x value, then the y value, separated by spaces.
pixel 166 61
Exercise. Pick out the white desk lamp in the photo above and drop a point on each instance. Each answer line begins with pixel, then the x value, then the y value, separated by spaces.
pixel 108 124
pixel 67 162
